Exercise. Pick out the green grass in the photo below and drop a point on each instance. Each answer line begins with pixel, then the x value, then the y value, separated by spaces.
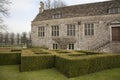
pixel 12 73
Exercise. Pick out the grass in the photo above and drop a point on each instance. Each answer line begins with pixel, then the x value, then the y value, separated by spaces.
pixel 12 73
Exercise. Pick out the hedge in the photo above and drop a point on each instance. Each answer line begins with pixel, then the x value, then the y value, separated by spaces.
pixel 72 66
pixel 11 58
pixel 89 52
pixel 36 62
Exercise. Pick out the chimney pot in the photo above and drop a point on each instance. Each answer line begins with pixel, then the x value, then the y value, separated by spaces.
pixel 41 6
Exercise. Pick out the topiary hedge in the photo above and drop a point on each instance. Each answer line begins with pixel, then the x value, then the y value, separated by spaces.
pixel 89 52
pixel 76 66
pixel 36 62
pixel 10 58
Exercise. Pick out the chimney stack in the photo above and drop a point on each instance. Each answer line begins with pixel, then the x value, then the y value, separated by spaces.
pixel 41 6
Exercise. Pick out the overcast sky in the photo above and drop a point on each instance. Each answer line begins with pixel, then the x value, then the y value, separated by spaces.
pixel 22 12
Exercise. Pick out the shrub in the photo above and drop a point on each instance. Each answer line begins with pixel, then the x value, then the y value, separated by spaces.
pixel 16 50
pixel 10 58
pixel 36 62
pixel 62 51
pixel 76 66
pixel 89 52
pixel 42 53
pixel 77 54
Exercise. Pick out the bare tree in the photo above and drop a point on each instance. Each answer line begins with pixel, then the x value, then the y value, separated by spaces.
pixel 29 40
pixel 18 38
pixel 50 4
pixel 59 3
pixel 63 42
pixel 24 38
pixel 3 12
pixel 6 38
pixel 9 39
pixel 12 38
pixel 1 38
pixel 2 25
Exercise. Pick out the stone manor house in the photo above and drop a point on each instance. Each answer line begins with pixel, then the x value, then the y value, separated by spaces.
pixel 93 26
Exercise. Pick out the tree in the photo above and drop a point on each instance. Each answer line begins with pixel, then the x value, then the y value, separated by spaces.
pixel 29 40
pixel 1 38
pixel 18 38
pixel 115 0
pixel 24 38
pixel 59 3
pixel 12 37
pixel 50 4
pixel 3 12
pixel 6 39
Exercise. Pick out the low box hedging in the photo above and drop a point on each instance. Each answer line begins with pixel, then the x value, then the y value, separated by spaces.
pixel 72 66
pixel 10 58
pixel 16 50
pixel 36 62
pixel 89 52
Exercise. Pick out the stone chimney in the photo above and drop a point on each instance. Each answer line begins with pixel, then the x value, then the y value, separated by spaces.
pixel 41 6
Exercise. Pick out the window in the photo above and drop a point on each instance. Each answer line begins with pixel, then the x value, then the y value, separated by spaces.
pixel 56 16
pixel 55 46
pixel 89 29
pixel 41 31
pixel 114 10
pixel 71 46
pixel 55 30
pixel 70 30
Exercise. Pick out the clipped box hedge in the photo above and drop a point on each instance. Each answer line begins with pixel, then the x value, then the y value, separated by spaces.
pixel 72 66
pixel 11 58
pixel 36 62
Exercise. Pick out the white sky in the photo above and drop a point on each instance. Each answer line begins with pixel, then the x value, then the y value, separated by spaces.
pixel 22 12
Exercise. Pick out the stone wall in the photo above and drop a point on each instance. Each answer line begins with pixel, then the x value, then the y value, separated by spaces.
pixel 102 30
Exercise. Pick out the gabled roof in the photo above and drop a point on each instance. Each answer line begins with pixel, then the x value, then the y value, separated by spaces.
pixel 91 9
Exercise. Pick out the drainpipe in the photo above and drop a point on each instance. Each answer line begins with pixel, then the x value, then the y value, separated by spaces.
pixel 79 23
pixel 47 36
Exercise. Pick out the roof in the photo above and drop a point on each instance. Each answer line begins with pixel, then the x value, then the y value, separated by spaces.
pixel 91 9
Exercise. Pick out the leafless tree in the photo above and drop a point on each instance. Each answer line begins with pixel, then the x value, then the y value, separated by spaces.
pixel 63 42
pixel 115 0
pixel 24 38
pixel 29 41
pixel 6 38
pixel 2 25
pixel 30 38
pixel 12 38
pixel 3 12
pixel 59 3
pixel 9 39
pixel 50 4
pixel 1 38
pixel 18 38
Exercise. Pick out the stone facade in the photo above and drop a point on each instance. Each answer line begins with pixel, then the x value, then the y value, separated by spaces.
pixel 102 30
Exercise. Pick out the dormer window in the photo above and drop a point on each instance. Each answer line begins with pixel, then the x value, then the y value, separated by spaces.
pixel 114 10
pixel 56 16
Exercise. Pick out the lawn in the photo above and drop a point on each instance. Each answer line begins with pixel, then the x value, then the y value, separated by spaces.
pixel 12 73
